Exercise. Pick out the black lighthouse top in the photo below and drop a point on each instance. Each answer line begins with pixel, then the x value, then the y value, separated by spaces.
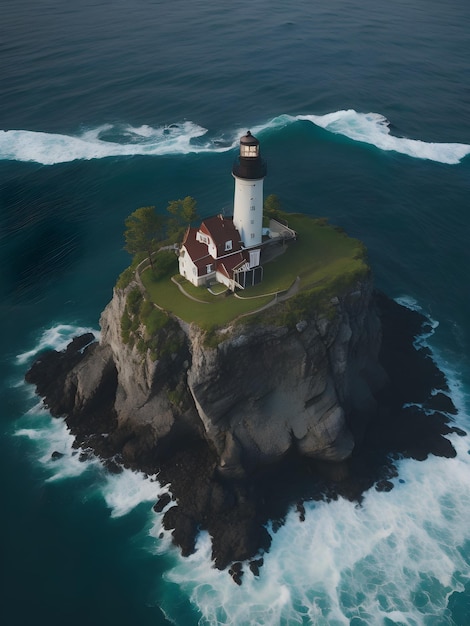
pixel 249 164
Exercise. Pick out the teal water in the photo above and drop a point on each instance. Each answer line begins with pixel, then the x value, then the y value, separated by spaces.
pixel 90 94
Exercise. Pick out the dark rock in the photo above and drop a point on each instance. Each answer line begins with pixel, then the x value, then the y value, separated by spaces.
pixel 113 467
pixel 301 511
pixel 441 402
pixel 255 566
pixel 56 455
pixel 236 572
pixel 79 343
pixel 384 485
pixel 162 502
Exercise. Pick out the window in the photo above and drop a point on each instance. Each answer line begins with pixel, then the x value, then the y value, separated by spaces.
pixel 252 221
pixel 248 151
pixel 252 207
pixel 228 245
pixel 208 268
pixel 252 235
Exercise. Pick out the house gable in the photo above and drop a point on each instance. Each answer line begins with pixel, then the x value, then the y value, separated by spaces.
pixel 223 237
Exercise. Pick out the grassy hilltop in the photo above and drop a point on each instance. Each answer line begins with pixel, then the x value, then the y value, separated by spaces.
pixel 323 262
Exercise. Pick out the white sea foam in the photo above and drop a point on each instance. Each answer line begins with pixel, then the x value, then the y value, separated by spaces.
pixel 49 435
pixel 395 559
pixel 398 557
pixel 104 141
pixel 54 451
pixel 373 128
pixel 110 140
pixel 55 338
pixel 53 444
pixel 123 492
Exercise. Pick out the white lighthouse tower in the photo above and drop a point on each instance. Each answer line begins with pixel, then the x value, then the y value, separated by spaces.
pixel 249 172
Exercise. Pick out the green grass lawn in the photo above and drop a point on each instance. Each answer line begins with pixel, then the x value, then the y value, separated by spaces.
pixel 214 311
pixel 320 256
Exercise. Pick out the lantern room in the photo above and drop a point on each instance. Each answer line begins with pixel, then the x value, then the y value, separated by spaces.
pixel 249 146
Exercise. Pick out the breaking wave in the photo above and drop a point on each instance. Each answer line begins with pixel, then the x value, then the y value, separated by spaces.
pixel 104 141
pixel 55 338
pixel 373 128
pixel 53 443
pixel 396 559
pixel 187 137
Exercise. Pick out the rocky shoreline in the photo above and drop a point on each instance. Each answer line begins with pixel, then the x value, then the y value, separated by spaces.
pixel 411 418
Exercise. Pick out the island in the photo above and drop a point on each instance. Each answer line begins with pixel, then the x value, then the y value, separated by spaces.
pixel 251 368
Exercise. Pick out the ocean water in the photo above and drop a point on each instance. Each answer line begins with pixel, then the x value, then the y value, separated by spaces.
pixel 363 113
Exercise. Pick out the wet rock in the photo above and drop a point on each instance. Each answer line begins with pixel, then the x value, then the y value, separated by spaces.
pixel 255 566
pixel 301 511
pixel 384 485
pixel 162 502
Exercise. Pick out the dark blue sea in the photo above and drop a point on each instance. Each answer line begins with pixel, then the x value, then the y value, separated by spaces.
pixel 363 114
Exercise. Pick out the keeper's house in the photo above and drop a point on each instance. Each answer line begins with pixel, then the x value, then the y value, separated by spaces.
pixel 225 249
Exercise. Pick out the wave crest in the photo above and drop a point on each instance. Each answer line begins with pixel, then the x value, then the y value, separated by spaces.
pixel 104 141
pixel 373 128
pixel 111 140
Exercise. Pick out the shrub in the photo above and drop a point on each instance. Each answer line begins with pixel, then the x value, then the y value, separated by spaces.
pixel 126 323
pixel 146 307
pixel 155 321
pixel 165 263
pixel 134 299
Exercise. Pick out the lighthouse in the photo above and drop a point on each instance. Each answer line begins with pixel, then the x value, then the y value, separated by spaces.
pixel 249 171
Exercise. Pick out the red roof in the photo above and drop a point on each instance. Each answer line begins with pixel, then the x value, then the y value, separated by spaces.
pixel 197 251
pixel 195 248
pixel 230 263
pixel 221 229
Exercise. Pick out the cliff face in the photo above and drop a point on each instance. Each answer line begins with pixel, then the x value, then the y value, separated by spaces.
pixel 242 431
pixel 263 391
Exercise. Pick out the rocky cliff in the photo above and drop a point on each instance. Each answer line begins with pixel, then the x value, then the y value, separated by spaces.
pixel 266 403
pixel 263 391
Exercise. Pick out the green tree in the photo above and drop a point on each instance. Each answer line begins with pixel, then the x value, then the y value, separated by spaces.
pixel 184 213
pixel 144 229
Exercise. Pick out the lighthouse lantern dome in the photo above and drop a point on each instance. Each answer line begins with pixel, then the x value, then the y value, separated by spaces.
pixel 249 146
pixel 249 164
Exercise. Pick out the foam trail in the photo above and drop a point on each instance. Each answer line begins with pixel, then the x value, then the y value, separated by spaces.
pixel 55 338
pixel 123 140
pixel 373 128
pixel 105 141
